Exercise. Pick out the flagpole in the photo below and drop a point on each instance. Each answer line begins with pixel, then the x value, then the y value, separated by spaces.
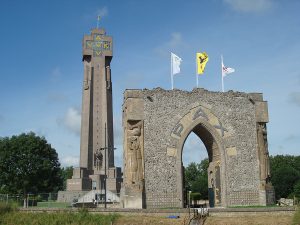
pixel 98 18
pixel 196 72
pixel 222 73
pixel 172 71
pixel 222 84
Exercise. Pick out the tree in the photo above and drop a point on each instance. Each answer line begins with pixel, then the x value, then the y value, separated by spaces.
pixel 28 164
pixel 297 189
pixel 284 179
pixel 285 174
pixel 66 173
pixel 196 178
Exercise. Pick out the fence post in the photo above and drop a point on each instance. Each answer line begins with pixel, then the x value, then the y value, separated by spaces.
pixel 6 199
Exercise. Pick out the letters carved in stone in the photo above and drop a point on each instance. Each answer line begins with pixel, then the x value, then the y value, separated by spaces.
pixel 200 113
pixel 179 128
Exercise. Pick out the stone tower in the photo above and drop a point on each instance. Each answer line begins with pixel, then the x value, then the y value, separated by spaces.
pixel 96 141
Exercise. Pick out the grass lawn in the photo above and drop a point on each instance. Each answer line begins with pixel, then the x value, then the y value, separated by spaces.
pixel 11 216
pixel 53 204
pixel 61 218
pixel 296 219
pixel 251 220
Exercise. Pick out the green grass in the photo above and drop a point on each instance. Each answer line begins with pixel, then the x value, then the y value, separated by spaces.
pixel 5 208
pixel 296 218
pixel 60 218
pixel 53 205
pixel 253 206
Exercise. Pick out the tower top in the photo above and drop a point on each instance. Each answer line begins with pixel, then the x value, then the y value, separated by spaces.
pixel 97 44
pixel 98 31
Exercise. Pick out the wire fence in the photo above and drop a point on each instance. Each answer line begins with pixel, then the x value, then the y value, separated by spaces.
pixel 47 200
pixel 62 200
pixel 52 200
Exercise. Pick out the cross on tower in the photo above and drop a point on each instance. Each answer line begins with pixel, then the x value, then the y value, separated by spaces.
pixel 98 45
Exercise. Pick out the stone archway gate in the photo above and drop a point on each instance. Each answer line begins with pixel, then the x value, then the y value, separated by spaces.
pixel 232 126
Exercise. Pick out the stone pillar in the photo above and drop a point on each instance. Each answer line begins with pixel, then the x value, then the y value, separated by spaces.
pixel 214 181
pixel 266 193
pixel 133 187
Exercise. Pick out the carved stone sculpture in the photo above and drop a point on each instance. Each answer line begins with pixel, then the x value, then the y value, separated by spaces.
pixel 263 152
pixel 86 81
pixel 98 160
pixel 134 158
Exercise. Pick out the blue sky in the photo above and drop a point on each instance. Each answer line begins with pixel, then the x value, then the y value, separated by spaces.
pixel 41 70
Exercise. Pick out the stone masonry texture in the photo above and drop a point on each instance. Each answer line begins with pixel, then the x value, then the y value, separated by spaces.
pixel 235 143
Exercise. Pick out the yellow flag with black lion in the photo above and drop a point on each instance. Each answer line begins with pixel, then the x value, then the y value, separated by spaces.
pixel 201 59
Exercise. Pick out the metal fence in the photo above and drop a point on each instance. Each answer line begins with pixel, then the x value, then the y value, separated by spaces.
pixel 47 200
pixel 54 200
pixel 51 200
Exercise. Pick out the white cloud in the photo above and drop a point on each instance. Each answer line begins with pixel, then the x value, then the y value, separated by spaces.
pixel 71 120
pixel 294 97
pixel 55 74
pixel 102 12
pixel 175 41
pixel 249 6
pixel 56 97
pixel 174 44
pixel 70 161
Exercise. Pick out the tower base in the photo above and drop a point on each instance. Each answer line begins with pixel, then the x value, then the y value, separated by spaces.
pixel 80 180
pixel 131 199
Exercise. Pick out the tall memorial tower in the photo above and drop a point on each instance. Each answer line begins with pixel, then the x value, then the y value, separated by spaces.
pixel 96 140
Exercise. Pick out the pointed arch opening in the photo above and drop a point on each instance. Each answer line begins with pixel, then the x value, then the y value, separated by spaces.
pixel 215 169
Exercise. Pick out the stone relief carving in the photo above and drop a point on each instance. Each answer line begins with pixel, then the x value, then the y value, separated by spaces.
pixel 98 159
pixel 263 152
pixel 86 85
pixel 86 81
pixel 108 79
pixel 134 159
pixel 214 180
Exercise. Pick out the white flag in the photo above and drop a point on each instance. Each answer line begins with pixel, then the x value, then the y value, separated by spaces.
pixel 175 61
pixel 226 70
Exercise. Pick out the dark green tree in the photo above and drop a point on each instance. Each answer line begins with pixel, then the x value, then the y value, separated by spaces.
pixel 284 179
pixel 28 164
pixel 196 178
pixel 285 173
pixel 297 189
pixel 66 173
